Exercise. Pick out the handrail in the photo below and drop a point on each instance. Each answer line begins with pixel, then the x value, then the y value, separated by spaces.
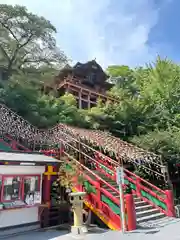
pixel 109 195
pixel 134 175
pixel 143 180
pixel 92 173
pixel 90 90
pixel 92 159
pixel 114 199
pixel 114 189
pixel 101 206
pixel 145 188
pixel 17 143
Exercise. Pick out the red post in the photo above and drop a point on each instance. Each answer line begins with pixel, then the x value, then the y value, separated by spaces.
pixel 138 186
pixel 130 211
pixel 98 193
pixel 170 203
pixel 14 145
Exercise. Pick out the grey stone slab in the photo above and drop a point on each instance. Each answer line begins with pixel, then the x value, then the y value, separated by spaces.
pixel 166 232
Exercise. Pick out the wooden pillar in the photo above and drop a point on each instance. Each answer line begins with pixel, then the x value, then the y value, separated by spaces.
pixel 80 99
pixel 89 100
pixel 67 89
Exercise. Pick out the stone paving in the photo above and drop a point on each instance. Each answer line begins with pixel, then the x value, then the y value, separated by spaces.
pixel 169 231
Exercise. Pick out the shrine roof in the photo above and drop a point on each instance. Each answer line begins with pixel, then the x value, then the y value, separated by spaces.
pixel 83 67
pixel 26 157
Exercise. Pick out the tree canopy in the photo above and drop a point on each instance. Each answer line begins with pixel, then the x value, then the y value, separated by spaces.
pixel 27 40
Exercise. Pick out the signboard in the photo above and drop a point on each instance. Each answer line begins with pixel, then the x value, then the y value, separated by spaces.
pixel 120 182
pixel 119 175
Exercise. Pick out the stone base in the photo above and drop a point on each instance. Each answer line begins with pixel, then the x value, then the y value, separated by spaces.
pixel 79 230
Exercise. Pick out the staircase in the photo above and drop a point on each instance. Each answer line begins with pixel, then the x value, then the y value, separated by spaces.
pixel 144 211
pixel 99 171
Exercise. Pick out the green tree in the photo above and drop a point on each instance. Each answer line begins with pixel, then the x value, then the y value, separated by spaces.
pixel 27 40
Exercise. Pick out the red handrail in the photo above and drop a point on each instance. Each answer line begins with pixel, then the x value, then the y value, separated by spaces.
pixel 166 196
pixel 103 207
pixel 116 164
pixel 92 173
pixel 16 143
pixel 110 196
pixel 146 189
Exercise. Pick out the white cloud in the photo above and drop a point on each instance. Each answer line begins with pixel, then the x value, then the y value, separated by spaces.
pixel 112 31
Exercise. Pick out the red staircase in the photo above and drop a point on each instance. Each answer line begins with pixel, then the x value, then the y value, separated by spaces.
pixel 98 170
pixel 150 202
pixel 161 199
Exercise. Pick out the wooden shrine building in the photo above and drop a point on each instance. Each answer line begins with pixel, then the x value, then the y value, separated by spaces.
pixel 25 191
pixel 86 81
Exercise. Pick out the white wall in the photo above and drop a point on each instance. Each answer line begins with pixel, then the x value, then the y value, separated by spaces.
pixel 7 169
pixel 18 216
pixel 24 215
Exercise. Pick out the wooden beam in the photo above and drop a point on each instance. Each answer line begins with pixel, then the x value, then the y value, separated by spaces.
pixel 80 86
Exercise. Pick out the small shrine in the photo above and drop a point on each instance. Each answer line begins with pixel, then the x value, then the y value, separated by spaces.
pixel 22 176
pixel 86 81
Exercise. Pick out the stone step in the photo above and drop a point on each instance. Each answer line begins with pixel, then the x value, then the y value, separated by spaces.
pixel 143 208
pixel 112 192
pixel 144 211
pixel 137 199
pixel 112 184
pixel 162 222
pixel 140 203
pixel 148 212
pixel 150 217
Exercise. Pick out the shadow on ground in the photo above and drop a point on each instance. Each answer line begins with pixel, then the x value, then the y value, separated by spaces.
pixel 37 235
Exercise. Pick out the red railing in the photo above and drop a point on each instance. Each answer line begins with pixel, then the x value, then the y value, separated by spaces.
pixel 163 200
pixel 74 82
pixel 14 145
pixel 100 207
pixel 143 188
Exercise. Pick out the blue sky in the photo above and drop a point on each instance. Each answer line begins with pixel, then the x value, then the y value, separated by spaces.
pixel 130 32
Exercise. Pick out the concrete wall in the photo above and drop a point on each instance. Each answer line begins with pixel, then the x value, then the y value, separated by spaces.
pixel 16 217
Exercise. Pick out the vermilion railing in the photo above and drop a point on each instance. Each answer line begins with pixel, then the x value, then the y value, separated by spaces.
pixel 14 145
pixel 102 202
pixel 161 199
